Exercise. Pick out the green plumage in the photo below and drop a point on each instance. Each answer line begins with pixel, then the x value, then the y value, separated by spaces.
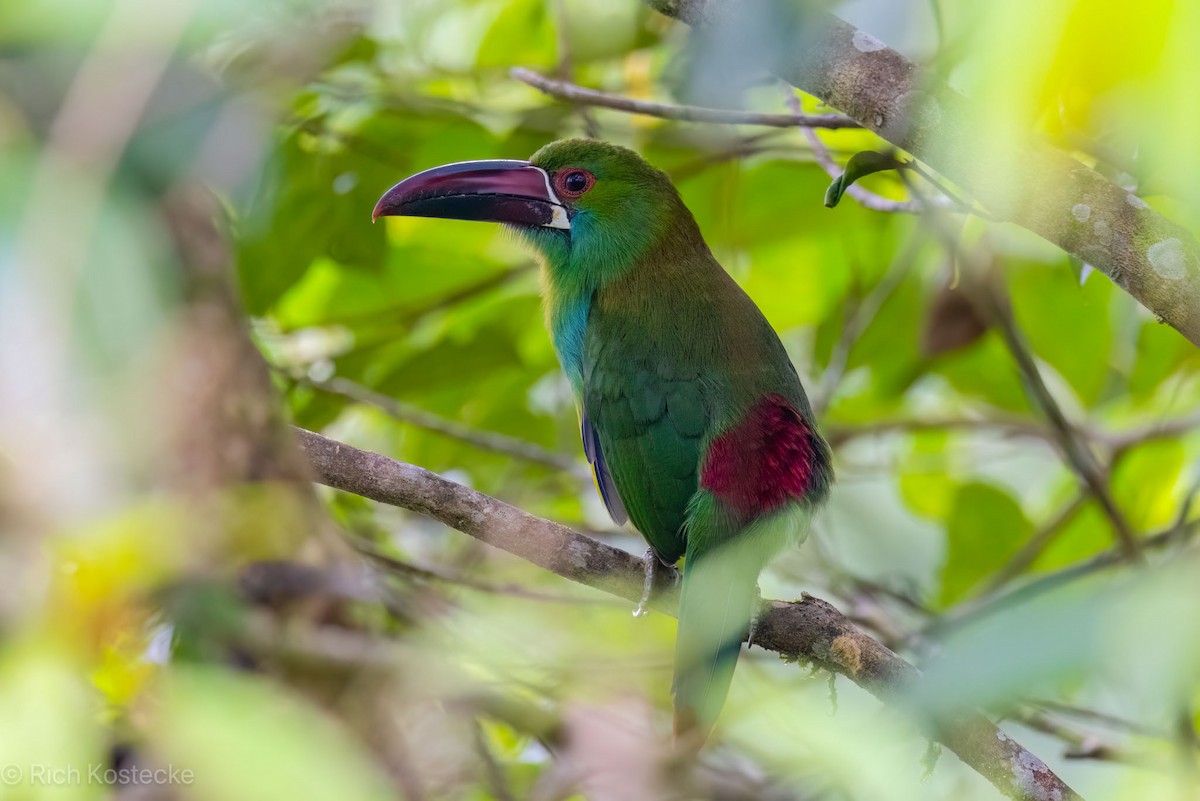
pixel 692 416
pixel 672 355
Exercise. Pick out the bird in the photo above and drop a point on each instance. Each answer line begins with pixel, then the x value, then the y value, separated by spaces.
pixel 692 416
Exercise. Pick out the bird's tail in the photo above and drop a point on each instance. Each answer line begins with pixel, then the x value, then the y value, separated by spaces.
pixel 720 592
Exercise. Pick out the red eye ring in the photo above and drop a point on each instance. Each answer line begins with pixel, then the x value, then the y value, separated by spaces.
pixel 572 183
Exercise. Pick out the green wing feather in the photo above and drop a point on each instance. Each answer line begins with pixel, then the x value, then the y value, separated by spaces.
pixel 649 429
pixel 667 366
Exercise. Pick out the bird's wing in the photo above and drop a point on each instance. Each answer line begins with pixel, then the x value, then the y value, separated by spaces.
pixel 604 481
pixel 647 425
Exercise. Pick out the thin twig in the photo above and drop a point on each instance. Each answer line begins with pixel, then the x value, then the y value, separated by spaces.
pixel 426 573
pixel 860 318
pixel 672 111
pixel 994 304
pixel 971 612
pixel 1034 546
pixel 1105 719
pixel 744 147
pixel 1013 426
pixel 1004 425
pixel 404 317
pixel 1082 745
pixel 1076 451
pixel 414 416
pixel 962 204
pixel 1164 429
pixel 495 774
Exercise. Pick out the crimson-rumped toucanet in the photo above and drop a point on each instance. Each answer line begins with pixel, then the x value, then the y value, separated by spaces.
pixel 693 418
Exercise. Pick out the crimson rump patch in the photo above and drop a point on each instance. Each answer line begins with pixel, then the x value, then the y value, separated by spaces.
pixel 763 461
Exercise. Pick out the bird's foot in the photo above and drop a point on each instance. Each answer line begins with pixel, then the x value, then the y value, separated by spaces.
pixel 654 568
pixel 758 604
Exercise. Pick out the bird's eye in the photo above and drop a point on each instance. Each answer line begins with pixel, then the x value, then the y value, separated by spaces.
pixel 573 183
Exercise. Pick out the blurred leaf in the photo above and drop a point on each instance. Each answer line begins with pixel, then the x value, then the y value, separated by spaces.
pixel 49 724
pixel 953 323
pixel 244 738
pixel 1101 47
pixel 1144 482
pixel 300 215
pixel 986 370
pixel 985 528
pixel 1057 316
pixel 926 485
pixel 1086 534
pixel 1161 351
pixel 888 348
pixel 521 34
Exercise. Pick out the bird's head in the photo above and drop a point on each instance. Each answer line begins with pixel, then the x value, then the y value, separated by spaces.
pixel 584 204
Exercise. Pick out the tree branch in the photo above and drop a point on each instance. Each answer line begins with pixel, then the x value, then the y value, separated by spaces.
pixel 671 111
pixel 1028 182
pixel 419 418
pixel 810 629
pixel 1074 447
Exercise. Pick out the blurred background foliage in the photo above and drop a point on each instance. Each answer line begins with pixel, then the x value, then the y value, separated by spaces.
pixel 142 468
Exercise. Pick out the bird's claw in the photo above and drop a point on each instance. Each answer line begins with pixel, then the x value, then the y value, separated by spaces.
pixel 652 567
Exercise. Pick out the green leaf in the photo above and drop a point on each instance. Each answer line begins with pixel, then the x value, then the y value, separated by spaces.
pixel 926 485
pixel 985 370
pixel 1161 354
pixel 859 165
pixel 1144 483
pixel 1056 314
pixel 244 738
pixel 984 530
pixel 1086 534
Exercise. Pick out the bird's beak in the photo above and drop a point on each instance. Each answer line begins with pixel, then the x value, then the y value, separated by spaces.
pixel 514 192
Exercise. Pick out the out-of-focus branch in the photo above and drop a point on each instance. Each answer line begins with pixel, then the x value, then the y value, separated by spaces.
pixel 1025 181
pixel 1013 426
pixel 673 111
pixel 426 573
pixel 1074 448
pixel 991 300
pixel 1000 425
pixel 972 611
pixel 1034 546
pixel 415 416
pixel 859 317
pixel 1080 745
pixel 810 629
